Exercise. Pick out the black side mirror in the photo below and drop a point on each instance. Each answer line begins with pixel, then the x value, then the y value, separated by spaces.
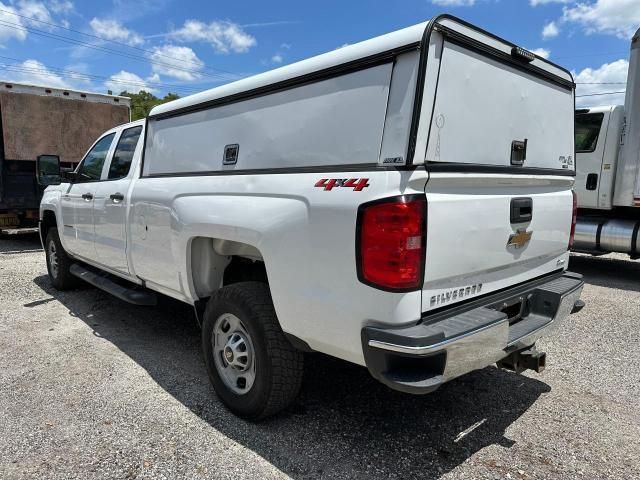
pixel 68 174
pixel 48 170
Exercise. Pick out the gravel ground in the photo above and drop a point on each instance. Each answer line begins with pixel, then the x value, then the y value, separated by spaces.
pixel 93 388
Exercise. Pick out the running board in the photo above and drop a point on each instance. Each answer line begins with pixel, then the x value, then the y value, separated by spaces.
pixel 101 280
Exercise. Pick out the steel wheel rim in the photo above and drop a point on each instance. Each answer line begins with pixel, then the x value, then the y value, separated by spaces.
pixel 53 259
pixel 233 353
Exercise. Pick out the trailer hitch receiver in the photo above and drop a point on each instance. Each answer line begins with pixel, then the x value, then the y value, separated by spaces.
pixel 529 359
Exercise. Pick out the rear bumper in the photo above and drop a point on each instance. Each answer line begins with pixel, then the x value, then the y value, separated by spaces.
pixel 442 346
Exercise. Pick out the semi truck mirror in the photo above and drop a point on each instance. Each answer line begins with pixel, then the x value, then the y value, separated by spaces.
pixel 48 170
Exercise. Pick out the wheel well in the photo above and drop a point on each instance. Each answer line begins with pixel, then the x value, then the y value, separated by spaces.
pixel 216 263
pixel 48 221
pixel 244 270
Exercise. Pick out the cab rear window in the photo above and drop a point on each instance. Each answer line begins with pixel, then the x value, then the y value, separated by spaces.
pixel 587 131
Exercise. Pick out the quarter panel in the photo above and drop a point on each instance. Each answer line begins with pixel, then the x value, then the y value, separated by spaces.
pixel 306 237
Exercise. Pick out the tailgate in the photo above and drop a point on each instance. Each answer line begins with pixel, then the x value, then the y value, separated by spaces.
pixel 474 248
pixel 500 156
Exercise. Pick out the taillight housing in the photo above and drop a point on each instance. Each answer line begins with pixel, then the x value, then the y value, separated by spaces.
pixel 391 243
pixel 574 219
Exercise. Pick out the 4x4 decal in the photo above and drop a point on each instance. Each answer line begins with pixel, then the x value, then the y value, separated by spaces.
pixel 358 184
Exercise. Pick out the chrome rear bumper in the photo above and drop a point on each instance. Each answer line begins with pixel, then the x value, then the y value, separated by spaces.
pixel 419 358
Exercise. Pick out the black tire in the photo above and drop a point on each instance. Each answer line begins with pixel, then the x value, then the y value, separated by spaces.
pixel 278 365
pixel 61 277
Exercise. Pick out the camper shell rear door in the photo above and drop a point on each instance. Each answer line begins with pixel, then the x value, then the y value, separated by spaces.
pixel 500 157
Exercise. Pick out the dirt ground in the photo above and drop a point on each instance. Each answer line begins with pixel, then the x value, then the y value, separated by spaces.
pixel 91 387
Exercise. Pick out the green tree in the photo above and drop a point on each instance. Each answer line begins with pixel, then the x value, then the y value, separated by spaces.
pixel 143 102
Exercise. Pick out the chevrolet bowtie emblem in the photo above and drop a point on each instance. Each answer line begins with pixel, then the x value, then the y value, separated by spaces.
pixel 519 239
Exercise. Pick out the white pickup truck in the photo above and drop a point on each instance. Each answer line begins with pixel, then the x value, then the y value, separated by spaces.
pixel 403 203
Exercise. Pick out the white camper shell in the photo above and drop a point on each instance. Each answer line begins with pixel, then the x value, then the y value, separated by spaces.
pixel 443 79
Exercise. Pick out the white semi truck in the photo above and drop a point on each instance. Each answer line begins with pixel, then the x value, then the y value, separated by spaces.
pixel 608 171
pixel 404 203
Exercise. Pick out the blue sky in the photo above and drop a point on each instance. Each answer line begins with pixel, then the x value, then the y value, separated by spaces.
pixel 187 45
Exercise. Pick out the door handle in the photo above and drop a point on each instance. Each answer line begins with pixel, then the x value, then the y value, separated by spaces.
pixel 521 210
pixel 117 197
pixel 87 196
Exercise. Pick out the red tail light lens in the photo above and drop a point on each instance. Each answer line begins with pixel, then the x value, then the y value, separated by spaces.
pixel 574 219
pixel 391 243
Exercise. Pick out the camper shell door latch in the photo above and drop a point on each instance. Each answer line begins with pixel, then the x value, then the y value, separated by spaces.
pixel 518 152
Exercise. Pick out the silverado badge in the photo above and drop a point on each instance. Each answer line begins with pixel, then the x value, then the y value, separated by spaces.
pixel 519 239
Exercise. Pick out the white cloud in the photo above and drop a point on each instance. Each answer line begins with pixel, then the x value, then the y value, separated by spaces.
pixel 454 3
pixel 541 52
pixel 535 3
pixel 62 7
pixel 114 30
pixel 277 58
pixel 610 77
pixel 35 73
pixel 35 10
pixel 39 11
pixel 155 78
pixel 77 75
pixel 177 62
pixel 550 30
pixel 223 36
pixel 614 17
pixel 132 83
pixel 6 31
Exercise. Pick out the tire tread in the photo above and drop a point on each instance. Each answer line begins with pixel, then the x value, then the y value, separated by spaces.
pixel 65 280
pixel 287 363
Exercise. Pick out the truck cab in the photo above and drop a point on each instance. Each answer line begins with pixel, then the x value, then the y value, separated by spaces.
pixel 92 201
pixel 598 137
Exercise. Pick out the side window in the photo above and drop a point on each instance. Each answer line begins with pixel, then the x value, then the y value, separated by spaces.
pixel 123 155
pixel 587 131
pixel 91 167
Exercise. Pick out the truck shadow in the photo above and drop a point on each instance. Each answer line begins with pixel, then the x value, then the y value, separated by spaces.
pixel 607 271
pixel 344 424
pixel 22 243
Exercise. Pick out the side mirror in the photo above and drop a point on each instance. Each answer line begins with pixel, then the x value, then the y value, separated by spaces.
pixel 68 174
pixel 48 170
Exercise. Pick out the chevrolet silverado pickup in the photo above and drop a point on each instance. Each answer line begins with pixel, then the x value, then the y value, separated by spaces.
pixel 404 204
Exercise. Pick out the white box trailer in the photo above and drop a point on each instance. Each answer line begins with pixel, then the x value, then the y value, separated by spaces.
pixel 39 119
pixel 608 171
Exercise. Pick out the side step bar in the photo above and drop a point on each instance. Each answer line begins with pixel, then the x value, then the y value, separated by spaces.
pixel 101 280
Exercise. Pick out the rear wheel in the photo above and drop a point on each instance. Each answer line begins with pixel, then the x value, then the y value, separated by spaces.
pixel 58 262
pixel 254 369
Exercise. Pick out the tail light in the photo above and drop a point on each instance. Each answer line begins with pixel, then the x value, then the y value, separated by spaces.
pixel 391 243
pixel 574 219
